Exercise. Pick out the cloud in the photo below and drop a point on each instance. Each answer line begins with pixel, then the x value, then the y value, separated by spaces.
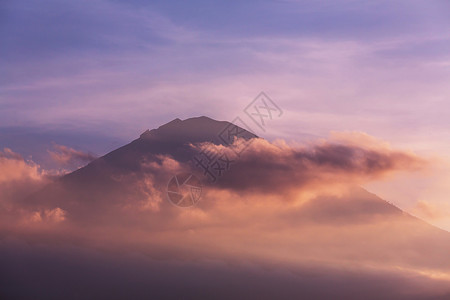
pixel 142 189
pixel 49 215
pixel 276 167
pixel 18 177
pixel 431 211
pixel 292 67
pixel 66 155
pixel 288 216
pixel 130 183
pixel 14 167
pixel 272 174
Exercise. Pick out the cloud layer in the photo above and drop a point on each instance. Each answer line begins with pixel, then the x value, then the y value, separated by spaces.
pixel 293 208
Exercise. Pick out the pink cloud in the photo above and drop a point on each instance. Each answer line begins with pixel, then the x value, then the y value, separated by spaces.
pixel 66 155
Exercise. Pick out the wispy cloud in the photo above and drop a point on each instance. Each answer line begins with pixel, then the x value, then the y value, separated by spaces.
pixel 66 155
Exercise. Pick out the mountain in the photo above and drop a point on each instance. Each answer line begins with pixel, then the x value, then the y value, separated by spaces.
pixel 107 176
pixel 119 201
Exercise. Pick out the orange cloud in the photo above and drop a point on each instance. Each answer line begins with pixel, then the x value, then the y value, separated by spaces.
pixel 18 177
pixel 278 204
pixel 14 167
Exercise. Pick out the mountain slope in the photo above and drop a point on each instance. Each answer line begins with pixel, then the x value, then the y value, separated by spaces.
pixel 354 226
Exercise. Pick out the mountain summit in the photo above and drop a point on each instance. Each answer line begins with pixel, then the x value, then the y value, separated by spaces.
pixel 192 130
pixel 173 138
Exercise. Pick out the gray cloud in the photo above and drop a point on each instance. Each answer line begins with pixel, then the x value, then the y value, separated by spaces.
pixel 269 168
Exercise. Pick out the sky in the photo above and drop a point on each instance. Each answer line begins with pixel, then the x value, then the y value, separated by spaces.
pixel 362 96
pixel 93 75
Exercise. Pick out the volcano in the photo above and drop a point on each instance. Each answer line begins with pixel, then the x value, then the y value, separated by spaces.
pixel 119 203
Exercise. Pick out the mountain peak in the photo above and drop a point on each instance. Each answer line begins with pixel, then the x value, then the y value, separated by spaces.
pixel 196 129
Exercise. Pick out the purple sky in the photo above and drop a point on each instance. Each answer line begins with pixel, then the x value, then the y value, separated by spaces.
pixel 95 74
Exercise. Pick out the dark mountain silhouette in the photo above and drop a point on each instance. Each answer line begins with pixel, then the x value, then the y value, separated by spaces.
pixel 355 228
pixel 102 178
pixel 99 181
